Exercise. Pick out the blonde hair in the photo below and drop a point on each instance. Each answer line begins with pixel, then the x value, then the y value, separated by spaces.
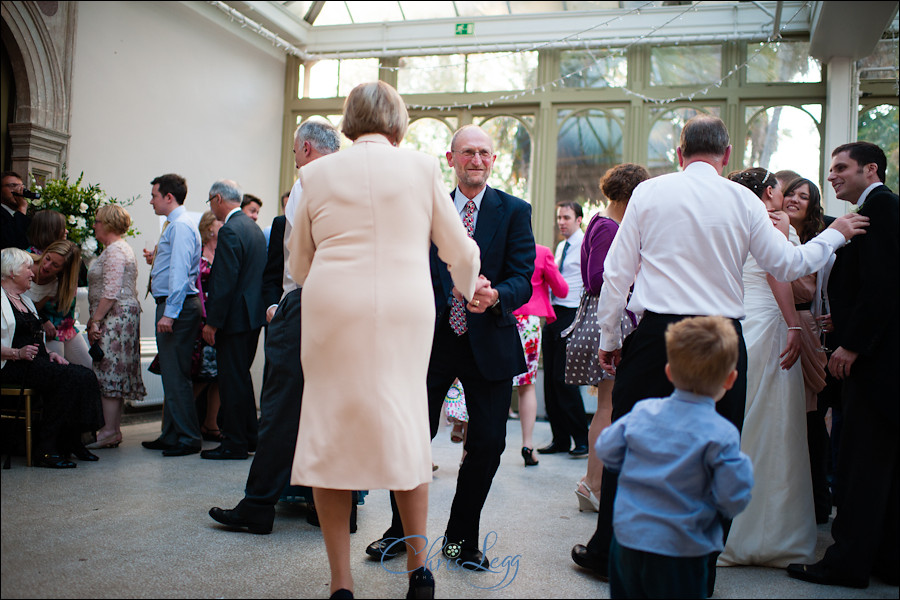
pixel 115 218
pixel 702 352
pixel 375 107
pixel 205 225
pixel 68 277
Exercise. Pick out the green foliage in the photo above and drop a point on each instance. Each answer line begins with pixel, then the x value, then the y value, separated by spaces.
pixel 78 204
pixel 881 126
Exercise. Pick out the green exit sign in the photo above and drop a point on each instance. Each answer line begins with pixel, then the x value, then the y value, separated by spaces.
pixel 465 28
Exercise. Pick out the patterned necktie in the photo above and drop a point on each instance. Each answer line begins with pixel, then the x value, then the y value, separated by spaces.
pixel 458 309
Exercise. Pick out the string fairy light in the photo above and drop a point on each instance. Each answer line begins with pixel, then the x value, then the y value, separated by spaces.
pixel 572 41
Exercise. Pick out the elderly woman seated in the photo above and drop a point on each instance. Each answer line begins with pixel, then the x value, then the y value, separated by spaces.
pixel 71 396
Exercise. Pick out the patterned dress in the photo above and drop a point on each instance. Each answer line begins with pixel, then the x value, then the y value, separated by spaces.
pixel 114 276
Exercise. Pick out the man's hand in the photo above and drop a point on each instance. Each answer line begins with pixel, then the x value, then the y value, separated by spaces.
pixel 149 255
pixel 484 297
pixel 780 220
pixel 610 359
pixel 791 350
pixel 850 225
pixel 165 325
pixel 209 334
pixel 270 313
pixel 840 362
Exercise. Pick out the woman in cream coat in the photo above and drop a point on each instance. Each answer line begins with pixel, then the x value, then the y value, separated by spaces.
pixel 360 249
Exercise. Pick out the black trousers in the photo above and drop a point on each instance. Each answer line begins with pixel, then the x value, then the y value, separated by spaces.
pixel 565 407
pixel 487 402
pixel 641 375
pixel 279 406
pixel 234 355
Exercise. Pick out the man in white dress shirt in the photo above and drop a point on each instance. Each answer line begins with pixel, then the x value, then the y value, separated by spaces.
pixel 565 408
pixel 682 245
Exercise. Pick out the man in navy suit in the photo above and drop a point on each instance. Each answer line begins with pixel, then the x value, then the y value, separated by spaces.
pixel 488 353
pixel 864 292
pixel 235 313
pixel 13 219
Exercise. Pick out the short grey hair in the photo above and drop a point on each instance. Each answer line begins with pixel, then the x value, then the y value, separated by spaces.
pixel 704 135
pixel 228 190
pixel 322 135
pixel 12 260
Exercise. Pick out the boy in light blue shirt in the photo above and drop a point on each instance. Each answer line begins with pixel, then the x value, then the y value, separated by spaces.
pixel 680 467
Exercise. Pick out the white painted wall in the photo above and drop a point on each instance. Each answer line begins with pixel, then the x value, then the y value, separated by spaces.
pixel 160 87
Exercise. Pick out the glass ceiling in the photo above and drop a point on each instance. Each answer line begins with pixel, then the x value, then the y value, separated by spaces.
pixel 348 12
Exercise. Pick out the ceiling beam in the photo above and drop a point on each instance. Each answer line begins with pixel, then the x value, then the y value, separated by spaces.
pixel 848 29
pixel 274 17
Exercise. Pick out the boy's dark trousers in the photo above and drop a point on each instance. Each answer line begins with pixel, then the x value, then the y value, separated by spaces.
pixel 638 574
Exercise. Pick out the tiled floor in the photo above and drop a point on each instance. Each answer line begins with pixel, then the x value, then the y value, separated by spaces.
pixel 135 525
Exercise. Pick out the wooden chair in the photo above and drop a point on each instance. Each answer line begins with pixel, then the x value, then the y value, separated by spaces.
pixel 13 408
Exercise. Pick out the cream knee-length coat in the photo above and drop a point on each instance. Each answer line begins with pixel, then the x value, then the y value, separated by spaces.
pixel 360 249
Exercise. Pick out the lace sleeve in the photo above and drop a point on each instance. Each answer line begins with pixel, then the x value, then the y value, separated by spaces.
pixel 114 271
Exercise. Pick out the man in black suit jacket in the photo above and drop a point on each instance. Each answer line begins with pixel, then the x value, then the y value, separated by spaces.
pixel 489 354
pixel 13 220
pixel 865 308
pixel 273 275
pixel 235 313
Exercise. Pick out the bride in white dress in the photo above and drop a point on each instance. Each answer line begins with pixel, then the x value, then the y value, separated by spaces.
pixel 779 526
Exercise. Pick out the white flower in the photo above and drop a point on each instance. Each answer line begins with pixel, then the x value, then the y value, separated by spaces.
pixel 80 222
pixel 71 219
pixel 89 246
pixel 37 202
pixel 96 196
pixel 83 207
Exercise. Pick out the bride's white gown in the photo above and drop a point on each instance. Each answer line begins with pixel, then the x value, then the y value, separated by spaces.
pixel 779 525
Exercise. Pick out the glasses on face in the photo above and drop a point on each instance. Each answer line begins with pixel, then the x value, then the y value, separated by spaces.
pixel 470 154
pixel 210 199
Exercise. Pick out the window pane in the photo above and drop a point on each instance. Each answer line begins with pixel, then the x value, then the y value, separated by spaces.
pixel 432 136
pixel 431 74
pixel 783 137
pixel 323 79
pixel 882 63
pixel 501 71
pixel 666 134
pixel 589 143
pixel 782 62
pixel 356 71
pixel 512 145
pixel 685 65
pixel 880 126
pixel 583 69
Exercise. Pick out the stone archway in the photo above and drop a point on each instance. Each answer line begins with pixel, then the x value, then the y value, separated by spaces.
pixel 38 38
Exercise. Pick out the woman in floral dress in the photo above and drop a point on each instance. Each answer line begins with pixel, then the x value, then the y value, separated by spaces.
pixel 114 324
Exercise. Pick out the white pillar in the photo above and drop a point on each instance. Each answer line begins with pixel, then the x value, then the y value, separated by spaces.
pixel 841 121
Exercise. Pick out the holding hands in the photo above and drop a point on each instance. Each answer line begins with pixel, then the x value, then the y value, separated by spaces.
pixel 485 296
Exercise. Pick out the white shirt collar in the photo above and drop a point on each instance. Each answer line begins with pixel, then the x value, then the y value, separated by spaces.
pixel 9 210
pixel 229 215
pixel 865 194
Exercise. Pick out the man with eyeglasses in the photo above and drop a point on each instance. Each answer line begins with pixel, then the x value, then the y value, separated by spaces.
pixel 476 342
pixel 14 221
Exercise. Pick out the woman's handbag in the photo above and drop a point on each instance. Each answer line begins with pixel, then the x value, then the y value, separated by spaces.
pixel 583 343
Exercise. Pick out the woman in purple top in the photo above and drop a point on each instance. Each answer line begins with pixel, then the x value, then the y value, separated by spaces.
pixel 617 185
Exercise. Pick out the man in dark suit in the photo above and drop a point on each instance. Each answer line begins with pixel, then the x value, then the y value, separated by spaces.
pixel 13 220
pixel 279 402
pixel 234 315
pixel 863 290
pixel 273 276
pixel 487 353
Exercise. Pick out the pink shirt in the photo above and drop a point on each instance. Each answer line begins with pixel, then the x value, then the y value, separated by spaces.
pixel 546 277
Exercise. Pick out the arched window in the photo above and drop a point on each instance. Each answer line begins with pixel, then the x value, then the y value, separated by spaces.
pixel 512 145
pixel 784 137
pixel 665 135
pixel 588 144
pixel 432 136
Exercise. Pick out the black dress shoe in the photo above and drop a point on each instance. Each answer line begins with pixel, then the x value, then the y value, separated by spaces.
pixel 471 559
pixel 421 584
pixel 579 451
pixel 819 573
pixel 181 450
pixel 386 548
pixel 53 461
pixel 591 561
pixel 156 444
pixel 528 456
pixel 221 453
pixel 232 519
pixel 85 455
pixel 552 448
pixel 342 594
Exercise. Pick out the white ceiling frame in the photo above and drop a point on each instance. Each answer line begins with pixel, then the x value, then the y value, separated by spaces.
pixel 703 23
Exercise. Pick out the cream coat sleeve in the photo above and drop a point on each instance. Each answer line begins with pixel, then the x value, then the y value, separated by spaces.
pixel 454 245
